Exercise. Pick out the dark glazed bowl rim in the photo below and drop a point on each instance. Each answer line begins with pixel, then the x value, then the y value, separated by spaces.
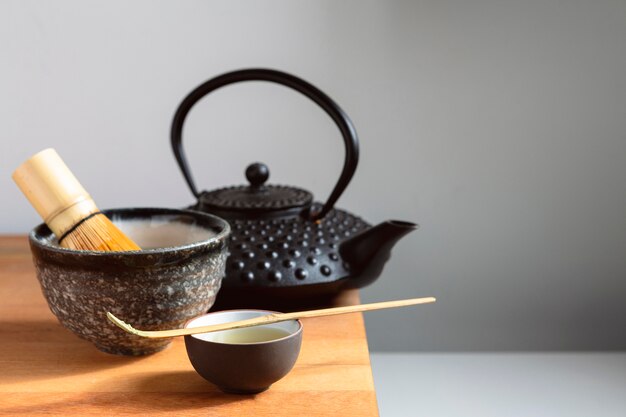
pixel 267 342
pixel 38 234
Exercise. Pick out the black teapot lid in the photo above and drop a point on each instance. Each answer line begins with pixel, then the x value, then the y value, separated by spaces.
pixel 256 197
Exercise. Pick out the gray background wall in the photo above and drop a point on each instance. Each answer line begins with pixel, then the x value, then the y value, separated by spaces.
pixel 499 126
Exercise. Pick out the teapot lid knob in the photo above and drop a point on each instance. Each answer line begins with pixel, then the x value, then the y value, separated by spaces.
pixel 257 174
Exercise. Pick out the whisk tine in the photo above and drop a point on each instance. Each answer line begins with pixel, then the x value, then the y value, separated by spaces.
pixel 99 234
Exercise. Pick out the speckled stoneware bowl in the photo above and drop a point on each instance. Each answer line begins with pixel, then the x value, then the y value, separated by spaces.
pixel 174 278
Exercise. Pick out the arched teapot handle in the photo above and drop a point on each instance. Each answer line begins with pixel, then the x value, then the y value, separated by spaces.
pixel 340 118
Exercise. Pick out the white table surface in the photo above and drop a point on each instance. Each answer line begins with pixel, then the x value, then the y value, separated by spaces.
pixel 500 384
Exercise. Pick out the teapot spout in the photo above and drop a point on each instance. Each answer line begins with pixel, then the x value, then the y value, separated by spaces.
pixel 367 252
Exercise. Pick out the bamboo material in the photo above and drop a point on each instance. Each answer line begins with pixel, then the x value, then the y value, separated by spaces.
pixel 268 319
pixel 66 207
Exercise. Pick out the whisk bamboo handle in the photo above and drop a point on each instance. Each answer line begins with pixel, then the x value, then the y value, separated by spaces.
pixel 66 207
pixel 54 191
pixel 268 319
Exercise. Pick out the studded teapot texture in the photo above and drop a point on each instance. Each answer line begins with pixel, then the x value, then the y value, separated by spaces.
pixel 289 251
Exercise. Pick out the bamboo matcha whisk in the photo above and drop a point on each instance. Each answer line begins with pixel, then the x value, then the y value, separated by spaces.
pixel 65 206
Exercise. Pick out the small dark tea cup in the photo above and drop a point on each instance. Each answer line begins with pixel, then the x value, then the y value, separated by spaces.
pixel 243 361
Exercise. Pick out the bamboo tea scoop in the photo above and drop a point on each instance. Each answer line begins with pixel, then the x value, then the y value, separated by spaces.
pixel 268 319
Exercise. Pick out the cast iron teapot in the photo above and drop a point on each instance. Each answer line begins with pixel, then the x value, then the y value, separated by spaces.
pixel 283 243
